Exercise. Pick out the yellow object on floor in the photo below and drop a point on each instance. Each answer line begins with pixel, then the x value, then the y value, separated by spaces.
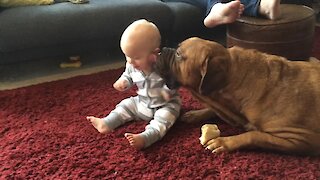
pixel 208 132
pixel 74 62
pixel 14 3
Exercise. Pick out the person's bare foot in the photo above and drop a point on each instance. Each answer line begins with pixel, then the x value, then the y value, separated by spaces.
pixel 224 13
pixel 135 140
pixel 270 9
pixel 99 124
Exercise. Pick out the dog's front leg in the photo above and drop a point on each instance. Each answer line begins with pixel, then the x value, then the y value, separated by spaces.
pixel 254 139
pixel 198 115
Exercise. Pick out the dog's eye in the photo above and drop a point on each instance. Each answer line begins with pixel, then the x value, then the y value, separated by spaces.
pixel 178 56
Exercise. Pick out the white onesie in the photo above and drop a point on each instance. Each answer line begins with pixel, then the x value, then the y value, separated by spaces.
pixel 148 105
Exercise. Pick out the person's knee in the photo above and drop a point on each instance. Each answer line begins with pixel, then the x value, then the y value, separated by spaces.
pixel 166 115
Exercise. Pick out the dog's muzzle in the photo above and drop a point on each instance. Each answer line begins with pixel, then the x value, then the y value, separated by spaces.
pixel 164 66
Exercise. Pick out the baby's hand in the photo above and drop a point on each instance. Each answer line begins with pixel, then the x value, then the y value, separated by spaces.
pixel 166 95
pixel 121 84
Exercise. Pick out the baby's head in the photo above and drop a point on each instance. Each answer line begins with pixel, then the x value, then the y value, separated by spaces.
pixel 140 43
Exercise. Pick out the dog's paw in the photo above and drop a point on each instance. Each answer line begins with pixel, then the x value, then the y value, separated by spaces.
pixel 192 116
pixel 218 145
pixel 208 132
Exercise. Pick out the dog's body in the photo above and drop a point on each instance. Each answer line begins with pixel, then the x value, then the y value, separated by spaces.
pixel 275 99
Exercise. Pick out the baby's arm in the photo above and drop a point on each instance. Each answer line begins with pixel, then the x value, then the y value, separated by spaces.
pixel 125 80
pixel 166 94
pixel 121 84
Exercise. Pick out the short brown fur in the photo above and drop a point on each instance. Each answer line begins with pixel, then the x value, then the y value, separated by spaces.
pixel 276 100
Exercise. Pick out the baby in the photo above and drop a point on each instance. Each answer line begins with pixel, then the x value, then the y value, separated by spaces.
pixel 154 102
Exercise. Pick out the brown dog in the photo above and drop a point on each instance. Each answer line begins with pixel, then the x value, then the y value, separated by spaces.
pixel 274 99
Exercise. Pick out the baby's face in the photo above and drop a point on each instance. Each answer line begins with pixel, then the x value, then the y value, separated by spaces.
pixel 141 57
pixel 140 43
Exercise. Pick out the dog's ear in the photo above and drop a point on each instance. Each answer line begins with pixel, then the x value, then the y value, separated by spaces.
pixel 213 74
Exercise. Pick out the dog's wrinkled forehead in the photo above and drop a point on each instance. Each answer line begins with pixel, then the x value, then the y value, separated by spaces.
pixel 165 60
pixel 167 53
pixel 164 67
pixel 192 44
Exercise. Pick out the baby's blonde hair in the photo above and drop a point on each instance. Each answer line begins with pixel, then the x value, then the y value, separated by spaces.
pixel 142 32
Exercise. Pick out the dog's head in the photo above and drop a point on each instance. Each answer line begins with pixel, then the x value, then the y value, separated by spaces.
pixel 197 64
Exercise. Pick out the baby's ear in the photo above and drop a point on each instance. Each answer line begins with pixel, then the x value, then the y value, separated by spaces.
pixel 155 54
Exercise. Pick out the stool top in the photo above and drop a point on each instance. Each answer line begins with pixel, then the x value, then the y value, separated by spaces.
pixel 289 13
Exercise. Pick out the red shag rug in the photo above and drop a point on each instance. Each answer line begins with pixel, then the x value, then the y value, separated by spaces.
pixel 45 135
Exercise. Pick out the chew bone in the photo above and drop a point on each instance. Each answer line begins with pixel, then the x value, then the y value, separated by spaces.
pixel 208 132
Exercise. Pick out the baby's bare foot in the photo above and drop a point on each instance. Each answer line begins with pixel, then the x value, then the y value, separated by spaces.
pixel 270 9
pixel 135 140
pixel 224 13
pixel 99 124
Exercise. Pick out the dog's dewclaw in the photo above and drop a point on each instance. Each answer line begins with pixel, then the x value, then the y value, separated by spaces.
pixel 208 132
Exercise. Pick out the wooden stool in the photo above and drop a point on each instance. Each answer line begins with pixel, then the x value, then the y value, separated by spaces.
pixel 290 36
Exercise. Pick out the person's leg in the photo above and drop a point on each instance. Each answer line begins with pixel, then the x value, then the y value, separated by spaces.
pixel 251 7
pixel 138 141
pixel 270 9
pixel 222 13
pixel 210 4
pixel 124 112
pixel 164 118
